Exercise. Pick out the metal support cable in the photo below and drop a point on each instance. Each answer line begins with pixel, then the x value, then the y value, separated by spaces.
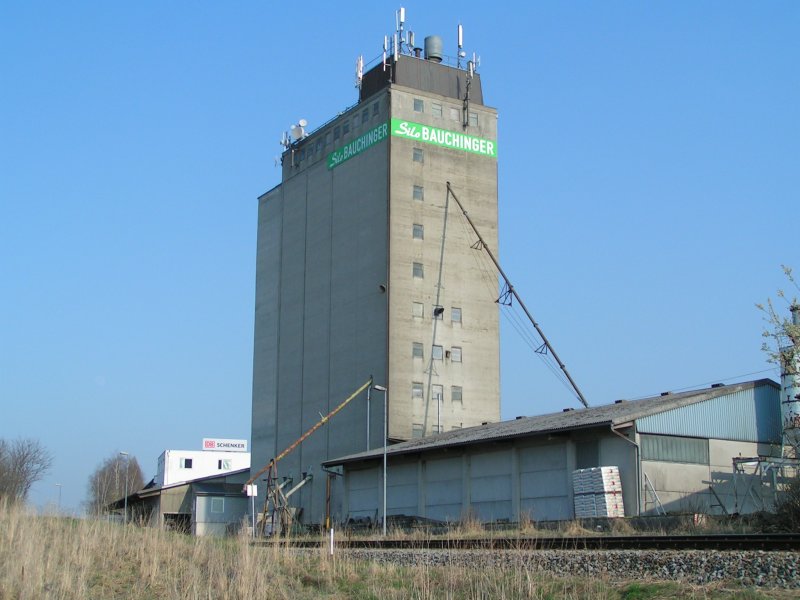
pixel 518 298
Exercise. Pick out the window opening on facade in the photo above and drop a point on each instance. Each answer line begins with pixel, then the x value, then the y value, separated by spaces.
pixel 419 155
pixel 337 133
pixel 419 105
pixel 417 309
pixel 455 314
pixel 417 430
pixel 438 312
pixel 186 463
pixel 473 119
pixel 376 108
pixel 416 350
pixel 419 193
pixel 455 354
pixel 437 353
pixel 218 505
pixel 364 116
pixel 454 116
pixel 436 109
pixel 224 464
pixel 418 231
pixel 416 390
pixel 456 394
pixel 418 270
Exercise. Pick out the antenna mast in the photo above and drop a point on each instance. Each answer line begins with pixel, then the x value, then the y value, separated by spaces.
pixel 513 292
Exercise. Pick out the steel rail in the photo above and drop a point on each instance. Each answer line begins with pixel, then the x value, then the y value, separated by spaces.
pixel 765 542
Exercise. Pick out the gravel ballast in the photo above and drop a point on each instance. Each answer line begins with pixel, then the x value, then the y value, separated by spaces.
pixel 750 568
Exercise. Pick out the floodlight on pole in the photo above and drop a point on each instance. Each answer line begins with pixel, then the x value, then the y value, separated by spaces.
pixel 381 388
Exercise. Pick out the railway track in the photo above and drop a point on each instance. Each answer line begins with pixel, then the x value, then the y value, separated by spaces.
pixel 765 542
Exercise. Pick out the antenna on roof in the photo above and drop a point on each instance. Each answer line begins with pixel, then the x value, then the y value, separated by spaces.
pixel 385 48
pixel 359 70
pixel 399 38
pixel 461 53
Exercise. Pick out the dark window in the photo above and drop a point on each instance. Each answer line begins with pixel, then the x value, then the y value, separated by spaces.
pixel 419 155
pixel 669 448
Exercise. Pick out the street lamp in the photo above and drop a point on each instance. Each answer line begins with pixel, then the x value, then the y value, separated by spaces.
pixel 380 388
pixel 125 516
pixel 58 485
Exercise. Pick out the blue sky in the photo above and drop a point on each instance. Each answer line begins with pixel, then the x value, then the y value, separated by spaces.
pixel 648 168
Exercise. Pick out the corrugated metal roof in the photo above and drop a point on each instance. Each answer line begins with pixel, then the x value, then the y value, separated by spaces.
pixel 608 414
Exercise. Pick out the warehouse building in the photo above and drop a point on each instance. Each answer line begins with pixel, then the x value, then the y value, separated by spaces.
pixel 359 274
pixel 674 453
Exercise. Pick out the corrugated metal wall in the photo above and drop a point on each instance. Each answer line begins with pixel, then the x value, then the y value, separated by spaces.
pixel 751 415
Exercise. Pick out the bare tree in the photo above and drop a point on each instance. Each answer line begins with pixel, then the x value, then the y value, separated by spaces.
pixel 107 483
pixel 23 462
pixel 782 335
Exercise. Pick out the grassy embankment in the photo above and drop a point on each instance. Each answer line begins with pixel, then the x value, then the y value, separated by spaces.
pixel 44 557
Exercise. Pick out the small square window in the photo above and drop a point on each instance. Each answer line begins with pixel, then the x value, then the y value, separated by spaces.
pixel 364 115
pixel 419 193
pixel 436 109
pixel 419 155
pixel 376 108
pixel 417 309
pixel 416 350
pixel 218 505
pixel 473 119
pixel 417 430
pixel 319 146
pixel 437 393
pixel 346 127
pixel 456 394
pixel 437 353
pixel 419 105
pixel 416 390
pixel 186 463
pixel 337 133
pixel 224 464
pixel 455 314
pixel 419 232
pixel 455 354
pixel 327 138
pixel 418 270
pixel 454 114
pixel 438 312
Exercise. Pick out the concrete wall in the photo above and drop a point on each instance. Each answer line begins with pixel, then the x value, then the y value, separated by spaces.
pixel 227 522
pixel 468 281
pixel 684 488
pixel 525 478
pixel 320 323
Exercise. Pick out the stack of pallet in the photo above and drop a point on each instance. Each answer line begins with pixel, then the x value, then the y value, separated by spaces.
pixel 597 492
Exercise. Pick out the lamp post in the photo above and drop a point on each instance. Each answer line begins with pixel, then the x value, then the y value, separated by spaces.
pixel 125 515
pixel 369 389
pixel 58 485
pixel 380 388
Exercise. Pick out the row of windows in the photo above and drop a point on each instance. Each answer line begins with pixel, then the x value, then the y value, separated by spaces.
pixel 222 465
pixel 437 392
pixel 339 131
pixel 437 312
pixel 437 110
pixel 437 352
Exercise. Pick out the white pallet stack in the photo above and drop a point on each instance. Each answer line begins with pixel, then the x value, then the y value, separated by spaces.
pixel 597 492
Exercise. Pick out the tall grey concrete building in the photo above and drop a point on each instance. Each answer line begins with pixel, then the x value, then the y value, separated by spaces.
pixel 363 269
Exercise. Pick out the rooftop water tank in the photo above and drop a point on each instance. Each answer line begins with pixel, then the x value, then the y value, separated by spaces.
pixel 433 48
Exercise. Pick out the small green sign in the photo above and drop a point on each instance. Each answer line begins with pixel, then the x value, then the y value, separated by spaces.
pixel 443 137
pixel 358 145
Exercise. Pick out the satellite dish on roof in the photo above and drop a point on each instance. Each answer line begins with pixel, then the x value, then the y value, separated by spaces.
pixel 298 131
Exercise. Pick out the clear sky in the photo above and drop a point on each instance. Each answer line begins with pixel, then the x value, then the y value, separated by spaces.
pixel 649 162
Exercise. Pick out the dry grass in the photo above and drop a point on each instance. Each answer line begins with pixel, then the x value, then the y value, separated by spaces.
pixel 61 558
